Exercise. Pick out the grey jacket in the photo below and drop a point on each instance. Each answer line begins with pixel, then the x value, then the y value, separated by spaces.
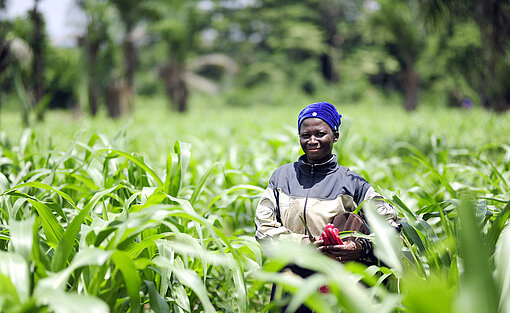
pixel 315 193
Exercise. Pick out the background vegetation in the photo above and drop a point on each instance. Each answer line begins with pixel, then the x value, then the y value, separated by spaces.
pixel 453 53
pixel 153 210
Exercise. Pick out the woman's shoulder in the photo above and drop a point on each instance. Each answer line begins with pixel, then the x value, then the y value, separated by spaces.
pixel 350 174
pixel 285 169
pixel 347 171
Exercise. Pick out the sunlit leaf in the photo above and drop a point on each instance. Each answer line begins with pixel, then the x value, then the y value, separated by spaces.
pixel 158 304
pixel 86 257
pixel 386 241
pixel 131 277
pixel 14 267
pixel 66 245
pixel 502 273
pixel 476 265
pixel 62 302
pixel 22 237
pixel 189 279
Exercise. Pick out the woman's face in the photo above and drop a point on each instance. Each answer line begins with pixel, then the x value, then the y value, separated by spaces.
pixel 317 138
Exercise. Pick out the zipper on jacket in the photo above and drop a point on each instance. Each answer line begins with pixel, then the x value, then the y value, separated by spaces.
pixel 312 172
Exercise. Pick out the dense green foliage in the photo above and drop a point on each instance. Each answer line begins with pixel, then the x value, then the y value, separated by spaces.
pixel 455 51
pixel 155 212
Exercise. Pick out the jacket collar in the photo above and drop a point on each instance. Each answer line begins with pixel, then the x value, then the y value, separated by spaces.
pixel 329 166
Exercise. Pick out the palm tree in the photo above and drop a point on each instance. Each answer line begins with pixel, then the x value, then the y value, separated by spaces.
pixel 95 39
pixel 176 24
pixel 38 47
pixel 4 43
pixel 330 15
pixel 4 46
pixel 493 20
pixel 131 14
pixel 109 80
pixel 395 26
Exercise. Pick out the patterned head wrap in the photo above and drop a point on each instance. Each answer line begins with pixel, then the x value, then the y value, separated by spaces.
pixel 323 110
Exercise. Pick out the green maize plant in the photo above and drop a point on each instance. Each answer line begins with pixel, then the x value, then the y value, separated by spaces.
pixel 87 223
pixel 99 227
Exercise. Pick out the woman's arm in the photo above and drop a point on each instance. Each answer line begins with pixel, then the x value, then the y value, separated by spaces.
pixel 383 207
pixel 266 220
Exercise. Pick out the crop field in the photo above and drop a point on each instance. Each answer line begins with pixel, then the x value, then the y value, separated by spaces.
pixel 154 212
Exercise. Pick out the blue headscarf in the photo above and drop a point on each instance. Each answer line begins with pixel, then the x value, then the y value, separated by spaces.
pixel 323 110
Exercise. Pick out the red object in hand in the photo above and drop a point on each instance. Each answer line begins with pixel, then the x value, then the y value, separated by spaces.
pixel 330 236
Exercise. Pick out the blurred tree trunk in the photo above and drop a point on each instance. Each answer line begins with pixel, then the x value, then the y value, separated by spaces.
pixel 411 81
pixel 130 12
pixel 129 50
pixel 493 19
pixel 91 51
pixel 93 99
pixel 117 98
pixel 329 70
pixel 91 45
pixel 328 60
pixel 38 65
pixel 4 56
pixel 175 85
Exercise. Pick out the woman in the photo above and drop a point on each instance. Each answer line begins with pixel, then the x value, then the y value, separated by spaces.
pixel 316 190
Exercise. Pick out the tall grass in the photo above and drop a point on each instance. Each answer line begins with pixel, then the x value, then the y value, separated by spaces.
pixel 131 217
pixel 103 226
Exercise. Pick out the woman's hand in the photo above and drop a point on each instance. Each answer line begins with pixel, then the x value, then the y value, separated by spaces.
pixel 309 240
pixel 351 250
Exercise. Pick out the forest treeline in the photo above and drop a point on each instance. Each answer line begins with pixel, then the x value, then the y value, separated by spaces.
pixel 457 50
